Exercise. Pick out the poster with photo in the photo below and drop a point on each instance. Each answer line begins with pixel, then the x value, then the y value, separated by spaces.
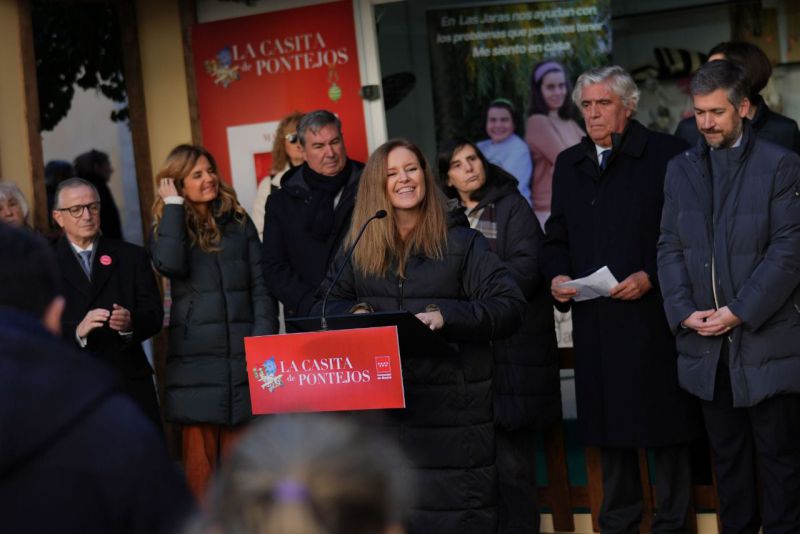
pixel 483 52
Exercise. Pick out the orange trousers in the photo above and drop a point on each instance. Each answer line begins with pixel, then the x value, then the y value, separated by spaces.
pixel 204 447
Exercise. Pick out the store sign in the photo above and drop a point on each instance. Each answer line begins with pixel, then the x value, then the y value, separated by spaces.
pixel 252 71
pixel 483 52
pixel 338 370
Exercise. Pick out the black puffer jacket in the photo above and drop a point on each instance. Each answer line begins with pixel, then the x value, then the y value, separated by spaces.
pixel 295 260
pixel 527 386
pixel 447 427
pixel 217 299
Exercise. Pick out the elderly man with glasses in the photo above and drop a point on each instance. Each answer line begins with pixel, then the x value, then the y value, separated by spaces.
pixel 112 300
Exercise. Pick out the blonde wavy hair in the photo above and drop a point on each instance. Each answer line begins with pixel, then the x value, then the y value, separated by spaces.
pixel 288 124
pixel 382 248
pixel 203 230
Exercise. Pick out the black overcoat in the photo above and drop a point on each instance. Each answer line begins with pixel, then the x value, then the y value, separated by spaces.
pixel 121 274
pixel 447 428
pixel 625 359
pixel 295 260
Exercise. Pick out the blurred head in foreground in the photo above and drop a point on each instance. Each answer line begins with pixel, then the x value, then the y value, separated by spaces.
pixel 308 474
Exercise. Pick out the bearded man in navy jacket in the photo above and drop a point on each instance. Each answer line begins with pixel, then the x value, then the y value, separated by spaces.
pixel 729 266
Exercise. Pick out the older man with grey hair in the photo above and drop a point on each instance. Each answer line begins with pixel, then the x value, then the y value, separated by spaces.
pixel 729 264
pixel 308 217
pixel 606 208
pixel 112 300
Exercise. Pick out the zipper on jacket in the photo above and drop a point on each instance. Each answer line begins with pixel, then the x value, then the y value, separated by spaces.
pixel 400 281
pixel 227 341
pixel 714 279
pixel 713 238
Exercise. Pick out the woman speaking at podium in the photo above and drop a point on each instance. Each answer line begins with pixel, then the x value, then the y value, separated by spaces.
pixel 417 260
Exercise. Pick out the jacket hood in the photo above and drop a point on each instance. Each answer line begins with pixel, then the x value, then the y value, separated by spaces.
pixel 45 389
pixel 456 214
pixel 499 184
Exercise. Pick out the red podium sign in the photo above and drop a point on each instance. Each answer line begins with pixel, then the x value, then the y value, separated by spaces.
pixel 356 369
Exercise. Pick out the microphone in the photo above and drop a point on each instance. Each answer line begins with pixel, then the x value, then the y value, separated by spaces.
pixel 380 214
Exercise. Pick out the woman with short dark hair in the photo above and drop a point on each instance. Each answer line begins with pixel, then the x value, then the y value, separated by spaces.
pixel 526 381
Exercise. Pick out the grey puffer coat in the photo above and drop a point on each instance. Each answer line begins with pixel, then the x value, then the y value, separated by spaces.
pixel 447 427
pixel 218 298
pixel 746 229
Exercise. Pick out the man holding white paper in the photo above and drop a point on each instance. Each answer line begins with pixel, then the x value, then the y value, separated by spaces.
pixel 604 225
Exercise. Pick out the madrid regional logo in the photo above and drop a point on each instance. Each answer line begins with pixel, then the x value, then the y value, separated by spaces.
pixel 222 69
pixel 266 375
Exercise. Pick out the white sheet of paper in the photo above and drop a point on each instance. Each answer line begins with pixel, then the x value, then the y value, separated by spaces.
pixel 596 285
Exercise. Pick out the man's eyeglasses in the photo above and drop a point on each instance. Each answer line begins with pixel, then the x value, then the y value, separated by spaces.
pixel 77 211
pixel 292 137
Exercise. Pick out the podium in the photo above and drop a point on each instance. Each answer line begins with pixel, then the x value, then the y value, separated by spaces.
pixel 415 338
pixel 354 365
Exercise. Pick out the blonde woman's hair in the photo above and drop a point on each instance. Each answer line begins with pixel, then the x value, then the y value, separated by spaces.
pixel 382 248
pixel 203 230
pixel 308 474
pixel 280 158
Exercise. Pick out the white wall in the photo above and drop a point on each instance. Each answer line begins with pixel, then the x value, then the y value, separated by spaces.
pixel 88 126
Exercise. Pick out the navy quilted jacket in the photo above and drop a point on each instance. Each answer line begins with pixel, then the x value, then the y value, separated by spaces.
pixel 745 229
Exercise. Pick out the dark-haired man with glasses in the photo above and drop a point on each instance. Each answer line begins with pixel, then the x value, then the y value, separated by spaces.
pixel 112 300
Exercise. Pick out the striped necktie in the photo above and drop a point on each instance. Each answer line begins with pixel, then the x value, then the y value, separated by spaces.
pixel 86 258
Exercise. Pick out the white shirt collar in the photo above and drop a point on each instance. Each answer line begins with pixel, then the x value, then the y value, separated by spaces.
pixel 78 249
pixel 600 150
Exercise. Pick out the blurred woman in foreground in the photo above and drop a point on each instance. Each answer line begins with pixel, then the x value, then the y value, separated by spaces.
pixel 308 474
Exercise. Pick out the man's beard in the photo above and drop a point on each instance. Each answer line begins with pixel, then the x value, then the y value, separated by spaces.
pixel 727 141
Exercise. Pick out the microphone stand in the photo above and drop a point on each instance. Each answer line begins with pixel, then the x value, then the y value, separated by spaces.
pixel 380 214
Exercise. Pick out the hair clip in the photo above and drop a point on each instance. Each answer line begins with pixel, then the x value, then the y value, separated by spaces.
pixel 288 490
